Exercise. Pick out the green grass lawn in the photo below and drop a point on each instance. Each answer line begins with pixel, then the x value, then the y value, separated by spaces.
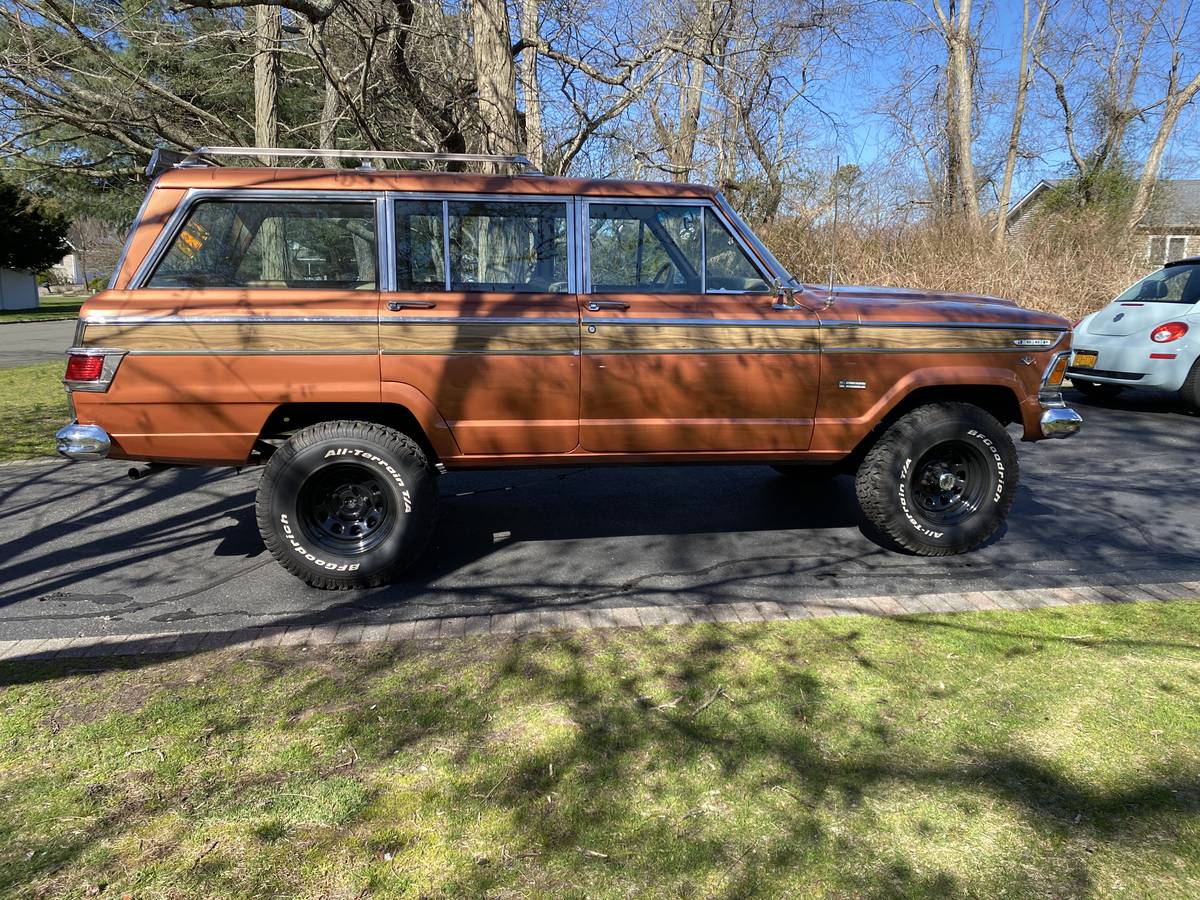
pixel 56 306
pixel 33 405
pixel 1044 754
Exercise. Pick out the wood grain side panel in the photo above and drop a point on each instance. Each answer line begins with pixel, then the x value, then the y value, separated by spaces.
pixel 218 337
pixel 478 337
pixel 840 337
pixel 648 338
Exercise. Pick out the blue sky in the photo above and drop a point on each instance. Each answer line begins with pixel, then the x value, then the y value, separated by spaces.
pixel 870 72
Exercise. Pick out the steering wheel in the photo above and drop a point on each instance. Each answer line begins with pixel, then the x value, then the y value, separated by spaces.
pixel 658 279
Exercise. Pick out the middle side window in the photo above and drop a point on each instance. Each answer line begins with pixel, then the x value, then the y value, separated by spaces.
pixel 508 246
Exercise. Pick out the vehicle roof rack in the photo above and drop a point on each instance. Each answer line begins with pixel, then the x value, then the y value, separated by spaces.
pixel 162 159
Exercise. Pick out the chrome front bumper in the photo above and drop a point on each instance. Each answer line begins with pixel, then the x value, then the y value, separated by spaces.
pixel 77 441
pixel 1060 422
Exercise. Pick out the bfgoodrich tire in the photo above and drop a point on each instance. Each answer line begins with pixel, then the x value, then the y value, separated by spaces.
pixel 940 480
pixel 347 504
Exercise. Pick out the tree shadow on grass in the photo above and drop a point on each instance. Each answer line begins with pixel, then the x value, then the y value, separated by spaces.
pixel 706 762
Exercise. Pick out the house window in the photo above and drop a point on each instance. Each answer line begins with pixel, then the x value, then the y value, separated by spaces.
pixel 1165 248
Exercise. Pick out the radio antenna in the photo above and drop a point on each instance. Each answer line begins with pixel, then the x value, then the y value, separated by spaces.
pixel 837 167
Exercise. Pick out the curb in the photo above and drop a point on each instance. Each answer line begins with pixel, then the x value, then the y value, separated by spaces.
pixel 62 318
pixel 539 621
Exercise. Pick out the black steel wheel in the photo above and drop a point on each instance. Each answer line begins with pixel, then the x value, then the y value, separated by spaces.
pixel 347 504
pixel 345 509
pixel 940 480
pixel 949 482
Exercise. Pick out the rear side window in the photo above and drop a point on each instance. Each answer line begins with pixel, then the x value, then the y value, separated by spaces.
pixel 420 245
pixel 1175 284
pixel 487 245
pixel 498 246
pixel 272 244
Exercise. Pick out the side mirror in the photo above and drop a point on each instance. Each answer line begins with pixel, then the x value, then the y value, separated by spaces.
pixel 786 295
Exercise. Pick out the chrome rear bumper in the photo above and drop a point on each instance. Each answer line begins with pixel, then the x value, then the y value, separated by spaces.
pixel 77 441
pixel 1060 422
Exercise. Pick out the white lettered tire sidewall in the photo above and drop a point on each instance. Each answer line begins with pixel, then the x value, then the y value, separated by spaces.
pixel 884 483
pixel 401 468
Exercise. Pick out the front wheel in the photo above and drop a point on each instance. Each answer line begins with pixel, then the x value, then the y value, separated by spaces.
pixel 347 504
pixel 940 480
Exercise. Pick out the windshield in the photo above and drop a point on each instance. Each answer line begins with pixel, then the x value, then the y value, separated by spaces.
pixel 1175 284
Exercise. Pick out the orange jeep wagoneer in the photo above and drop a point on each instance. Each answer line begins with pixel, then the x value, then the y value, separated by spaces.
pixel 361 330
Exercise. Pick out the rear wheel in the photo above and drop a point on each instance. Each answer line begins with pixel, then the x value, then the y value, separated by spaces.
pixel 1190 392
pixel 1096 390
pixel 347 504
pixel 940 480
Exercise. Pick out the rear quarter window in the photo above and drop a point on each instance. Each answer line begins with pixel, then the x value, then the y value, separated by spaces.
pixel 1175 284
pixel 272 244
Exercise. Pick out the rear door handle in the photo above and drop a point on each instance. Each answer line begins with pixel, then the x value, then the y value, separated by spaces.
pixel 597 305
pixel 397 305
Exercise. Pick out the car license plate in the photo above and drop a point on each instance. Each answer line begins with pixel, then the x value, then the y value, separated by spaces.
pixel 1084 359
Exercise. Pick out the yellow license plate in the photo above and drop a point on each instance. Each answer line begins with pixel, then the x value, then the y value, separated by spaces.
pixel 1084 360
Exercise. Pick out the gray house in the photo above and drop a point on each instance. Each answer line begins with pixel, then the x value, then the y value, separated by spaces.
pixel 1169 230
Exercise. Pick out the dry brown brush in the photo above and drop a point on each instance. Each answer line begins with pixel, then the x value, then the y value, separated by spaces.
pixel 1067 266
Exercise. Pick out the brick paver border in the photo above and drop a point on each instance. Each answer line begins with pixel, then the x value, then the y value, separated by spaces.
pixel 532 621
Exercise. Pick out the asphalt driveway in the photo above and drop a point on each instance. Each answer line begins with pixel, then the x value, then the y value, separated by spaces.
pixel 84 551
pixel 25 343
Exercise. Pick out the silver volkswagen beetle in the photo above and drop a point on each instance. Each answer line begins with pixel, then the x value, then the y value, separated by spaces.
pixel 1149 337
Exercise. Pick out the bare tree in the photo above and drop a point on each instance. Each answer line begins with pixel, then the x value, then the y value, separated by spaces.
pixel 1031 38
pixel 495 77
pixel 1177 95
pixel 955 28
pixel 268 31
pixel 1095 65
pixel 530 89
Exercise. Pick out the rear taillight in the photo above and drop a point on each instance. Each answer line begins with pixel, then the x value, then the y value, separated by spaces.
pixel 1170 331
pixel 84 367
pixel 91 369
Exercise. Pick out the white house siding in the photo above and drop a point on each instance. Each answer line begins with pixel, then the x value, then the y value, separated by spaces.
pixel 18 290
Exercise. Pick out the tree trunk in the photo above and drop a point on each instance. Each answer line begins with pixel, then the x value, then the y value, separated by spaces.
pixel 534 138
pixel 268 32
pixel 1176 101
pixel 1024 78
pixel 964 107
pixel 495 78
pixel 691 97
pixel 329 122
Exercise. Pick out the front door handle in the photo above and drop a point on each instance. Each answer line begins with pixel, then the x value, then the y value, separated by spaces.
pixel 597 305
pixel 397 305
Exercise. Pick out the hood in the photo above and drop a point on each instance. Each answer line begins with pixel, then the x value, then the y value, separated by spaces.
pixel 854 303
